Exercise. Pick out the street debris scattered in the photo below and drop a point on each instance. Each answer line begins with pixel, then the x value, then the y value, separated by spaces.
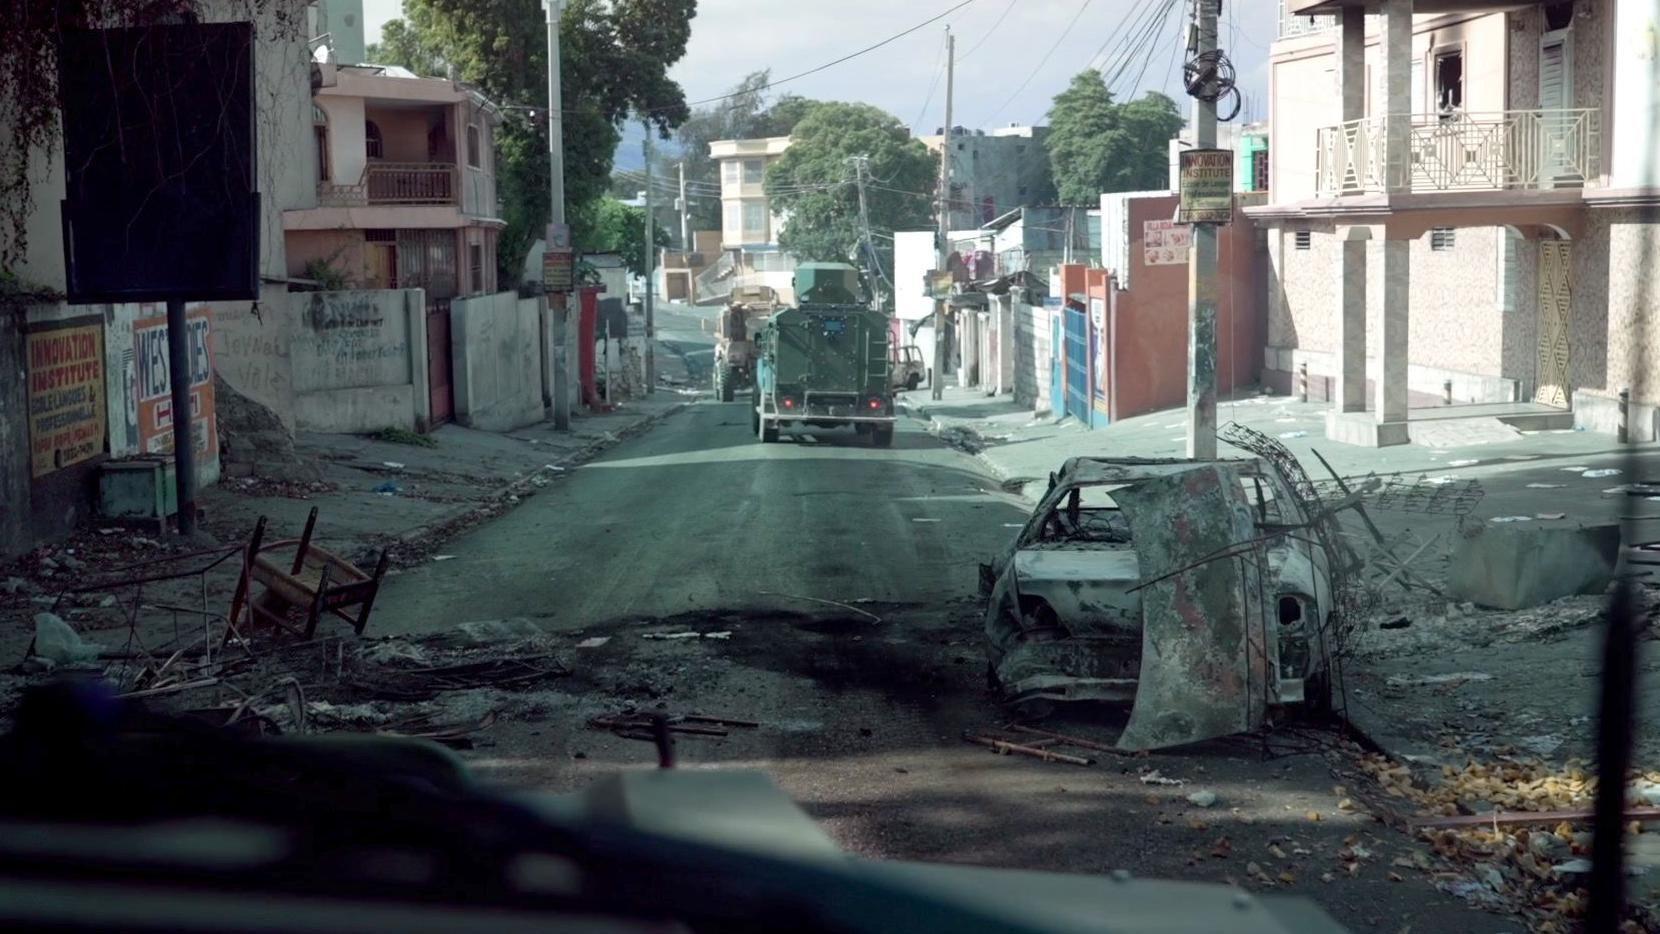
pixel 593 642
pixel 1155 777
pixel 773 593
pixel 631 724
pixel 1202 798
pixel 1037 749
pixel 723 634
pixel 1604 472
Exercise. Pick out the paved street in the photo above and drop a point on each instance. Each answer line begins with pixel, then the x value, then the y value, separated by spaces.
pixel 698 528
pixel 700 516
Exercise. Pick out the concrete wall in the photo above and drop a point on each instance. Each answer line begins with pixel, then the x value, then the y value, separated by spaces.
pixel 346 143
pixel 14 439
pixel 1147 323
pixel 495 341
pixel 359 360
pixel 913 256
pixel 1033 355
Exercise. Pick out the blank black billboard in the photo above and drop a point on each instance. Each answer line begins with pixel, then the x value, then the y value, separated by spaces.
pixel 159 163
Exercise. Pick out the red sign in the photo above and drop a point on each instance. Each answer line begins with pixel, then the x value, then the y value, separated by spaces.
pixel 153 386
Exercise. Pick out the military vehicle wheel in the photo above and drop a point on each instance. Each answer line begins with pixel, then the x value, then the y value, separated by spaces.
pixel 755 416
pixel 882 436
pixel 723 385
pixel 914 381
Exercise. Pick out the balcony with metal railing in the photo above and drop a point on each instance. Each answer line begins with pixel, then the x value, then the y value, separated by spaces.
pixel 393 183
pixel 1292 25
pixel 1504 150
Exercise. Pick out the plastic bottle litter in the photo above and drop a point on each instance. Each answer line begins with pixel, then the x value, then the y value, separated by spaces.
pixel 57 643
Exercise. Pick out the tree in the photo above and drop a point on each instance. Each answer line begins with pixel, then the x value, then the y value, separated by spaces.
pixel 617 228
pixel 743 114
pixel 400 44
pixel 614 61
pixel 813 182
pixel 1097 144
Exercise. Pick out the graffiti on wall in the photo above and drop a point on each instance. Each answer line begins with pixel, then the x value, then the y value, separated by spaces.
pixel 152 384
pixel 66 396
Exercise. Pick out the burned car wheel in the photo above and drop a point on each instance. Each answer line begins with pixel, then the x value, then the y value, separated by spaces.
pixel 1032 708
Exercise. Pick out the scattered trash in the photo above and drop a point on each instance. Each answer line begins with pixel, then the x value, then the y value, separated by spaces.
pixel 387 488
pixel 58 644
pixel 1598 474
pixel 1004 747
pixel 723 635
pixel 1545 486
pixel 1293 434
pixel 1457 677
pixel 1156 778
pixel 1441 480
pixel 1551 515
pixel 672 635
pixel 443 557
pixel 1013 525
pixel 1203 799
pixel 392 464
pixel 392 651
pixel 773 593
pixel 1578 469
pixel 1399 622
pixel 634 725
pixel 1463 463
pixel 554 467
pixel 593 642
pixel 1572 866
pixel 924 520
pixel 1511 519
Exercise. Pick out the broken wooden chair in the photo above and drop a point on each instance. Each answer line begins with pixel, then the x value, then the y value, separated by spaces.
pixel 299 590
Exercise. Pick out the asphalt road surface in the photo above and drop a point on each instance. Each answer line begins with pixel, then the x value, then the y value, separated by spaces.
pixel 699 515
pixel 863 699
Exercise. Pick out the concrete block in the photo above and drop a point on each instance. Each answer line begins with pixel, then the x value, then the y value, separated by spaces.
pixel 1363 430
pixel 1521 565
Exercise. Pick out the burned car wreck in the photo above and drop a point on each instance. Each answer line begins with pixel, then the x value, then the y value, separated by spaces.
pixel 1193 589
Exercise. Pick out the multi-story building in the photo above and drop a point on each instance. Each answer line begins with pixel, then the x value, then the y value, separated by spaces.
pixel 994 173
pixel 749 225
pixel 1462 208
pixel 406 190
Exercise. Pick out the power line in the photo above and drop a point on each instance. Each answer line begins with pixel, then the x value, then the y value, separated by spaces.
pixel 939 69
pixel 990 32
pixel 1151 50
pixel 1039 67
pixel 1140 39
pixel 1122 35
pixel 850 56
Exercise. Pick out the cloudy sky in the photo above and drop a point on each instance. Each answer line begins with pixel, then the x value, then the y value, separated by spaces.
pixel 731 38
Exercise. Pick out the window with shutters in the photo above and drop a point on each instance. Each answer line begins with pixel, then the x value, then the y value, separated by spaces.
pixel 1556 93
pixel 1304 239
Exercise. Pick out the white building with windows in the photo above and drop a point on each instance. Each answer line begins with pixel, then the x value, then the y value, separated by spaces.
pixel 749 225
pixel 1462 197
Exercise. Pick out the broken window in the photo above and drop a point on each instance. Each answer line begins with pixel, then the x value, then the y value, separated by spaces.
pixel 1449 83
pixel 1087 515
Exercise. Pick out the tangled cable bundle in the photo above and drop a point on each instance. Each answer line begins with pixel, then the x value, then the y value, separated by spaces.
pixel 1209 77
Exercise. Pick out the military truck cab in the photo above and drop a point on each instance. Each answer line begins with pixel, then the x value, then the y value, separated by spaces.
pixel 824 363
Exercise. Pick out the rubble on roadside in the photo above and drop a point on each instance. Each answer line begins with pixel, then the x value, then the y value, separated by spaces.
pixel 1535 870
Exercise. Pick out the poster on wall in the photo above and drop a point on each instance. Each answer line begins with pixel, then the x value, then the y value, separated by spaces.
pixel 1165 243
pixel 153 386
pixel 1098 347
pixel 66 397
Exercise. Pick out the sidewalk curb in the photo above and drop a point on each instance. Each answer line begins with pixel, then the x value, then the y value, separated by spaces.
pixel 455 520
pixel 936 427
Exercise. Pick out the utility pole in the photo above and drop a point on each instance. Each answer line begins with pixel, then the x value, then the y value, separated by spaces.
pixel 1201 276
pixel 558 302
pixel 937 379
pixel 860 165
pixel 651 250
pixel 685 212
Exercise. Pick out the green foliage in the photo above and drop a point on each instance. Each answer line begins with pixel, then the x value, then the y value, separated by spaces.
pixel 618 228
pixel 614 61
pixel 400 44
pixel 1097 144
pixel 745 114
pixel 395 435
pixel 813 181
pixel 17 292
pixel 329 278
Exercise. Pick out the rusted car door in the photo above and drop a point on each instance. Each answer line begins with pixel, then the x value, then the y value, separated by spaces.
pixel 1205 650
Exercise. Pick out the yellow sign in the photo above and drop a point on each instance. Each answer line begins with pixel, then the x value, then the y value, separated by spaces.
pixel 1206 186
pixel 66 397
